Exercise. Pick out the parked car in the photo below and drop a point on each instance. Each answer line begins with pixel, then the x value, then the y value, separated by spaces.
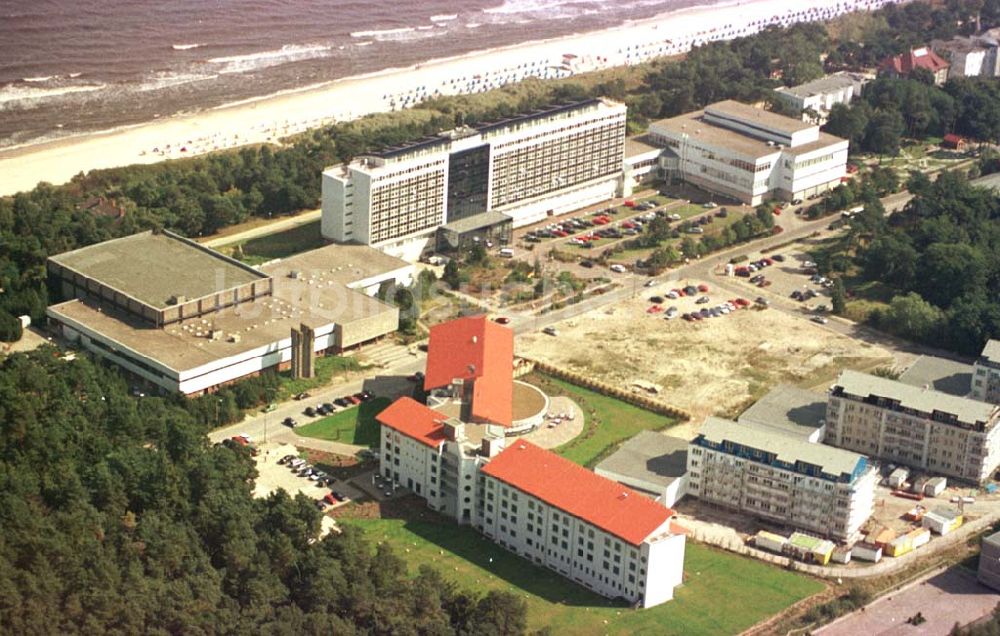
pixel 289 422
pixel 284 460
pixel 550 331
pixel 617 268
pixel 703 288
pixel 310 412
pixel 502 320
pixel 342 401
pixel 656 299
pixel 702 300
pixel 820 319
pixel 302 396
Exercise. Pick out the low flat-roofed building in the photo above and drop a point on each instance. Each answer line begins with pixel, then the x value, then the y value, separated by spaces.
pixel 940 374
pixel 642 160
pixel 750 154
pixel 917 427
pixel 986 381
pixel 820 95
pixel 989 561
pixel 781 478
pixel 789 410
pixel 227 320
pixel 652 463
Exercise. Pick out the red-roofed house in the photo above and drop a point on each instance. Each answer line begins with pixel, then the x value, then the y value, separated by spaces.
pixel 411 440
pixel 924 57
pixel 479 354
pixel 593 530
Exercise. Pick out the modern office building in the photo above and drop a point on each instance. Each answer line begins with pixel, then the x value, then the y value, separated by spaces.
pixel 781 478
pixel 187 319
pixel 820 95
pixel 532 502
pixel 986 374
pixel 750 154
pixel 525 168
pixel 914 426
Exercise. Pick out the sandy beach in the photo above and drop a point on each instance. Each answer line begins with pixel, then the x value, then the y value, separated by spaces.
pixel 270 118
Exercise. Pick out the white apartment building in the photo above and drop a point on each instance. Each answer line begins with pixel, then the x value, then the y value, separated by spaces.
pixel 822 94
pixel 770 475
pixel 749 154
pixel 974 56
pixel 918 427
pixel 527 167
pixel 538 505
pixel 986 376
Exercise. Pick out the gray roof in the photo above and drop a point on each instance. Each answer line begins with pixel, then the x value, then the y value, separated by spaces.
pixel 649 456
pixel 993 539
pixel 745 112
pixel 833 461
pixel 477 222
pixel 788 409
pixel 990 181
pixel 153 266
pixel 823 85
pixel 992 351
pixel 639 145
pixel 940 374
pixel 919 399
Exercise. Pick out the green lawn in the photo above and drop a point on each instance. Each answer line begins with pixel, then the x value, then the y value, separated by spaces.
pixel 326 368
pixel 281 244
pixel 352 426
pixel 609 421
pixel 722 593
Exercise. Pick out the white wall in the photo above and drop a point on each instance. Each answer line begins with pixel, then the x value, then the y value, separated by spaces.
pixel 535 210
pixel 664 568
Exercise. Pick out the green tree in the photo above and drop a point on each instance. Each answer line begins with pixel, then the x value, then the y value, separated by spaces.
pixel 10 327
pixel 451 275
pixel 913 317
pixel 838 297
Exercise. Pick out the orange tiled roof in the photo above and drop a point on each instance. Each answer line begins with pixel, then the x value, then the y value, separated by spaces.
pixel 580 492
pixel 475 348
pixel 413 419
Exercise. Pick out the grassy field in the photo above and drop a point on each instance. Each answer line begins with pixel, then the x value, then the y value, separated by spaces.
pixel 609 421
pixel 352 426
pixel 722 593
pixel 280 244
pixel 326 368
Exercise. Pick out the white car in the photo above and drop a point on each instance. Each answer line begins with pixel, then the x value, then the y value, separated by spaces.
pixel 672 295
pixel 617 268
pixel 674 217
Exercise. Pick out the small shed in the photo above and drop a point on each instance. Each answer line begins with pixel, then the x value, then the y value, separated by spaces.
pixel 899 546
pixel 809 549
pixel 919 537
pixel 770 541
pixel 867 552
pixel 882 537
pixel 942 520
pixel 841 554
pixel 935 486
pixel 954 142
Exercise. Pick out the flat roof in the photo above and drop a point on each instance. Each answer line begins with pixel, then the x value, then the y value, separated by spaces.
pixel 788 409
pixel 639 145
pixel 786 448
pixel 606 504
pixel 695 126
pixel 967 411
pixel 940 374
pixel 319 297
pixel 759 117
pixel 993 539
pixel 823 85
pixel 154 266
pixel 477 222
pixel 650 456
pixel 991 351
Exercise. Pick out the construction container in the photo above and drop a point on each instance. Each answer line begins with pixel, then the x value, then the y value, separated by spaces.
pixel 809 549
pixel 882 537
pixel 866 552
pixel 919 537
pixel 942 520
pixel 770 541
pixel 935 486
pixel 841 554
pixel 898 477
pixel 899 546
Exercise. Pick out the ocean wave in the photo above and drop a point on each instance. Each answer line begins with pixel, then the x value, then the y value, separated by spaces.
pixel 185 47
pixel 12 96
pixel 380 33
pixel 404 34
pixel 444 18
pixel 43 78
pixel 166 79
pixel 264 59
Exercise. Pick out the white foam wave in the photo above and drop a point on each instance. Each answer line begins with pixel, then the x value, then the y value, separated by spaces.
pixel 43 78
pixel 368 43
pixel 264 59
pixel 444 18
pixel 166 79
pixel 27 96
pixel 75 74
pixel 425 27
pixel 381 33
pixel 185 47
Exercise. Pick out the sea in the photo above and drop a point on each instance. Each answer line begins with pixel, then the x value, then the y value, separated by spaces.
pixel 72 66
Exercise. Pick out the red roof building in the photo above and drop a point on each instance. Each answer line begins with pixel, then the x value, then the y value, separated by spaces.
pixel 481 353
pixel 413 419
pixel 575 490
pixel 924 57
pixel 953 142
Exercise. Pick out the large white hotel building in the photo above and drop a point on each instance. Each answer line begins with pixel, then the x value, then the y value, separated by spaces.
pixel 750 154
pixel 520 169
pixel 540 506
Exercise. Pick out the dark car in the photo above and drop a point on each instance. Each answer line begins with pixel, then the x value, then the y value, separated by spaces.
pixel 366 395
pixel 587 264
pixel 289 422
pixel 656 299
pixel 778 257
pixel 342 401
pixel 322 505
pixel 310 411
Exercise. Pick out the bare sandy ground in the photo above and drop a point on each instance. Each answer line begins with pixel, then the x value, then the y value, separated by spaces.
pixel 713 367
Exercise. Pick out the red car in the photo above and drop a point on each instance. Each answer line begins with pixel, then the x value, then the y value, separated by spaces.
pixel 503 320
pixel 629 203
pixel 353 399
pixel 703 288
pixel 655 309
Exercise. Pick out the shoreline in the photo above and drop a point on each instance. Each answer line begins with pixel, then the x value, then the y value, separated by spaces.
pixel 266 119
